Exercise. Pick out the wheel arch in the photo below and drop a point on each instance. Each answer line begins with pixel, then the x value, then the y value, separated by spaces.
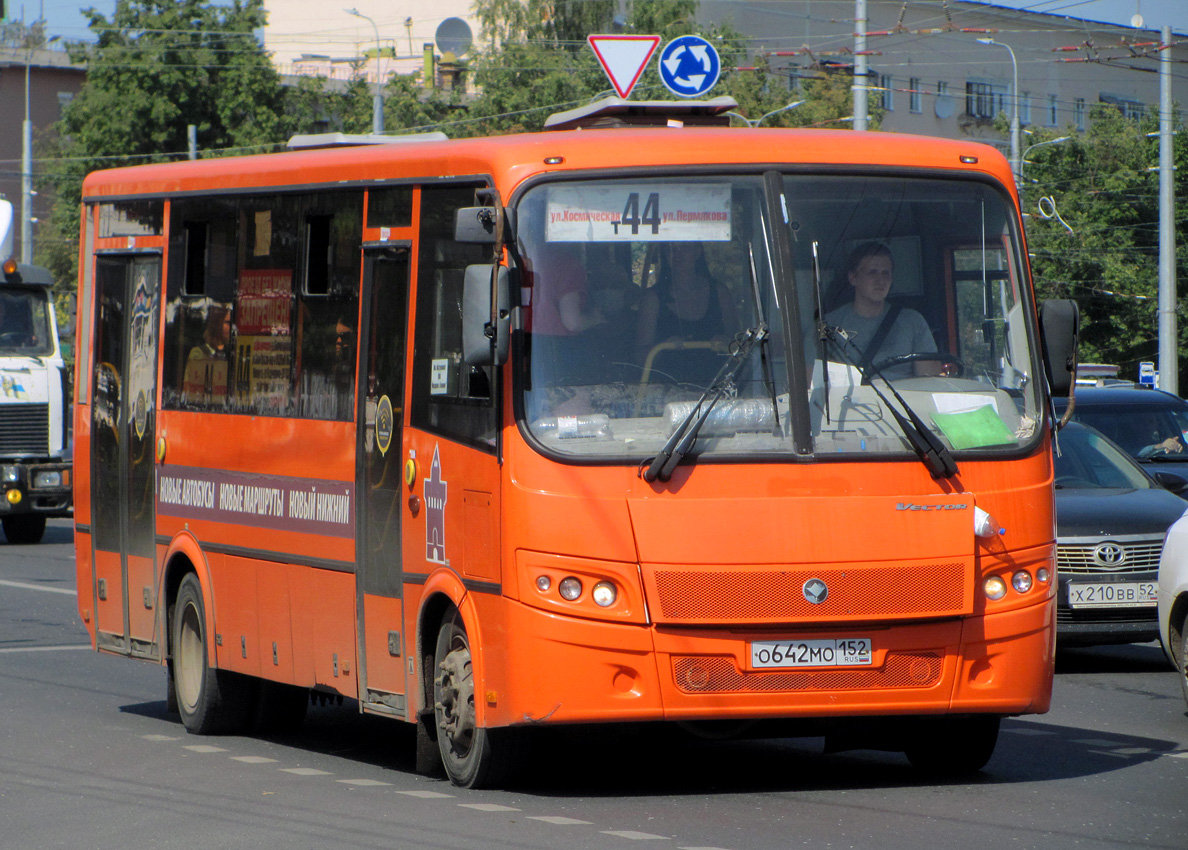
pixel 443 590
pixel 1177 622
pixel 185 556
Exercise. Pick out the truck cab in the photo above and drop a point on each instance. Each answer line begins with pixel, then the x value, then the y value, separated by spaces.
pixel 35 450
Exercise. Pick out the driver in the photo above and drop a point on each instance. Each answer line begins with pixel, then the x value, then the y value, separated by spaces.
pixel 869 271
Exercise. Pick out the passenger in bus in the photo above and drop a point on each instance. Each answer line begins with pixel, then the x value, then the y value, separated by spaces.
pixel 215 334
pixel 868 318
pixel 560 296
pixel 686 305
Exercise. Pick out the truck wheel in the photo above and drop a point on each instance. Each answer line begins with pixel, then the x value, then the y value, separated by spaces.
pixel 210 701
pixel 24 528
pixel 473 757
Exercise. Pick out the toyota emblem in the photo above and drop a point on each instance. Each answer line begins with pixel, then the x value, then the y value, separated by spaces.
pixel 815 591
pixel 1109 555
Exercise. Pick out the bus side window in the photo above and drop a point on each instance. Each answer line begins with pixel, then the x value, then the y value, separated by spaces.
pixel 328 306
pixel 449 397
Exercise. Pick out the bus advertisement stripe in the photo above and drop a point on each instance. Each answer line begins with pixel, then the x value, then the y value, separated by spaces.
pixel 307 505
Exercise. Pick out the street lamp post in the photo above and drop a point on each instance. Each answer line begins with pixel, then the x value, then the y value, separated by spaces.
pixel 756 122
pixel 377 106
pixel 27 163
pixel 1015 161
pixel 1030 148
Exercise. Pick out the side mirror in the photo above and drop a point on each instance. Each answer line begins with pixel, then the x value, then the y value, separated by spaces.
pixel 475 225
pixel 482 344
pixel 1175 484
pixel 1060 331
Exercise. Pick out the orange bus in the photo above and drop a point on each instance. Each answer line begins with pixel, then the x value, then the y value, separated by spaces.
pixel 597 424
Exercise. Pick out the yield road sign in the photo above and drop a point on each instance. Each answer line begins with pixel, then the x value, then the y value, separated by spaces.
pixel 623 57
pixel 689 66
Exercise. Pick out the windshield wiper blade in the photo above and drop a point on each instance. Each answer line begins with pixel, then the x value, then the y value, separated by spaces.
pixel 935 455
pixel 682 439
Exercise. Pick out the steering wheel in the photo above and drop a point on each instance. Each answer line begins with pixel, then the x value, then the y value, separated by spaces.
pixel 951 360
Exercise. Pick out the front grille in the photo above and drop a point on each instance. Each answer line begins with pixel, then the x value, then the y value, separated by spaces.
pixel 24 429
pixel 1145 616
pixel 709 674
pixel 724 596
pixel 1134 555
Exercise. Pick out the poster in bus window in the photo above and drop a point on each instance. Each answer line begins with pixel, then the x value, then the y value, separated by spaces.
pixel 264 343
pixel 638 212
pixel 142 371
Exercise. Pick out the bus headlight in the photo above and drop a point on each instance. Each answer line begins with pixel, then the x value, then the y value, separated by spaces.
pixel 543 583
pixel 1021 581
pixel 570 588
pixel 604 594
pixel 10 473
pixel 994 588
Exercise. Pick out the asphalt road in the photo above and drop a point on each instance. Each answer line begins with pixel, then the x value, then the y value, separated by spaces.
pixel 89 757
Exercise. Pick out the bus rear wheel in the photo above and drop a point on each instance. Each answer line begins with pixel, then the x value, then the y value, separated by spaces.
pixel 473 757
pixel 952 746
pixel 210 701
pixel 24 528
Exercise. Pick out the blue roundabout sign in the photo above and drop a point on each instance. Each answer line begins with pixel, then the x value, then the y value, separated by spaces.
pixel 689 66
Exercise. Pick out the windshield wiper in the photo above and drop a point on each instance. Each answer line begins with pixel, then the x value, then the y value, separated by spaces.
pixel 682 439
pixel 935 455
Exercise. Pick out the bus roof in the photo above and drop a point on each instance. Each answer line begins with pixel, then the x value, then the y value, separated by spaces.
pixel 514 158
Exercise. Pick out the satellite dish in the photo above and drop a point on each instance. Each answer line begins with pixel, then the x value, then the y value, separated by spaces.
pixel 943 106
pixel 453 36
pixel 1137 21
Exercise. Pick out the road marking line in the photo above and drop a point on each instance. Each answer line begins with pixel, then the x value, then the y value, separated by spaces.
pixel 306 771
pixel 559 821
pixel 1182 754
pixel 205 748
pixel 701 848
pixel 1028 731
pixel 1096 742
pixel 633 835
pixel 25 585
pixel 488 807
pixel 253 759
pixel 362 782
pixel 161 737
pixel 426 795
pixel 85 646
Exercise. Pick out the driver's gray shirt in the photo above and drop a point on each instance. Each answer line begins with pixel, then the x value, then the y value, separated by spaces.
pixel 909 335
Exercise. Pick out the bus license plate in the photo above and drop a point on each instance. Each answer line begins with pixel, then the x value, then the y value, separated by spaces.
pixel 842 652
pixel 1122 594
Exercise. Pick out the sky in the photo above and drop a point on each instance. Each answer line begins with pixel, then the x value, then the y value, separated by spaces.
pixel 65 19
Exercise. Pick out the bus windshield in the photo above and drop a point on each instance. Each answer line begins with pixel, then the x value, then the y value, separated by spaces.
pixel 24 323
pixel 650 302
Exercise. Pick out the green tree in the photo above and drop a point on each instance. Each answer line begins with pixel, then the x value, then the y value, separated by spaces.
pixel 155 67
pixel 535 61
pixel 1093 230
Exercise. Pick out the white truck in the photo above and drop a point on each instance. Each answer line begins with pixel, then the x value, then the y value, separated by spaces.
pixel 35 447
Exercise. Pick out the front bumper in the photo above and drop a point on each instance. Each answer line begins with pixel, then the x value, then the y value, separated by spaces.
pixel 36 488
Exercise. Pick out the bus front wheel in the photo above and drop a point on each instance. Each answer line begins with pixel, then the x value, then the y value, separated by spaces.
pixel 952 746
pixel 473 757
pixel 210 701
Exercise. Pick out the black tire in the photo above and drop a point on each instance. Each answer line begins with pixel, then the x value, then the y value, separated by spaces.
pixel 210 701
pixel 24 528
pixel 1183 662
pixel 952 746
pixel 280 708
pixel 473 757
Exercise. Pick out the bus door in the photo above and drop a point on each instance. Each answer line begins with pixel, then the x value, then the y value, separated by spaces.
pixel 384 647
pixel 122 452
